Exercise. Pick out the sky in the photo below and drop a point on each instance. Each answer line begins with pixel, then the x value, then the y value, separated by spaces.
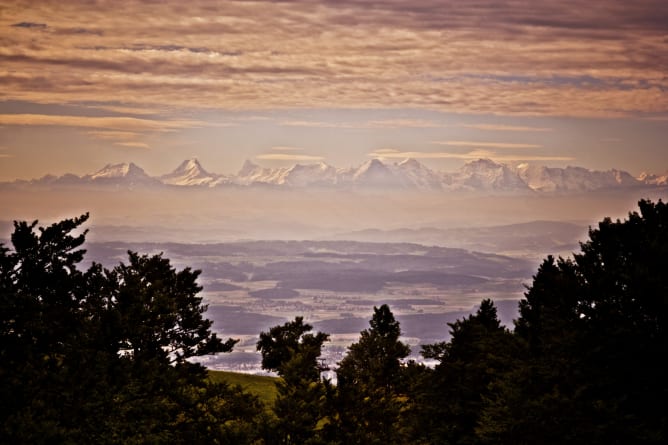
pixel 87 83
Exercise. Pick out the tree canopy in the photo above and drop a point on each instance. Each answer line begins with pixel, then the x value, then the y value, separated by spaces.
pixel 101 355
pixel 369 402
pixel 594 327
pixel 293 352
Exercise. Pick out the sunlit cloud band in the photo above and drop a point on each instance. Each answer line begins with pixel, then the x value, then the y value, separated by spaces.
pixel 471 155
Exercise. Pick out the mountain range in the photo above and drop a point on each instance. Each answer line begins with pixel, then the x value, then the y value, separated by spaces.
pixel 410 174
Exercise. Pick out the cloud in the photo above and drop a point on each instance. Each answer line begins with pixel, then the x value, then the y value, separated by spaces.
pixel 288 157
pixel 5 155
pixel 471 155
pixel 132 144
pixel 284 148
pixel 657 118
pixel 317 124
pixel 403 123
pixel 126 109
pixel 254 118
pixel 113 135
pixel 387 123
pixel 30 25
pixel 554 58
pixel 386 151
pixel 115 123
pixel 495 127
pixel 486 144
pixel 396 154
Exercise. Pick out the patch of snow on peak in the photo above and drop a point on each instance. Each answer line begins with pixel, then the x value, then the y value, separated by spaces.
pixel 417 175
pixel 652 179
pixel 485 174
pixel 248 168
pixel 301 175
pixel 374 173
pixel 124 174
pixel 410 163
pixel 123 170
pixel 190 173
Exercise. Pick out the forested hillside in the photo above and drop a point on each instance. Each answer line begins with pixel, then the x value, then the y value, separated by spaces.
pixel 103 356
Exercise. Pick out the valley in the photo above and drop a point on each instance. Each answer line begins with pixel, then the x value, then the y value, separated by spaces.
pixel 253 285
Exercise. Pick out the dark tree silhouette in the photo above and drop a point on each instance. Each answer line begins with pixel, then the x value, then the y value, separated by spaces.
pixel 368 380
pixel 99 356
pixel 293 352
pixel 480 349
pixel 595 335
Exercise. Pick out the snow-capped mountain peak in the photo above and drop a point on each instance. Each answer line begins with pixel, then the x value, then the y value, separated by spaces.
pixel 374 173
pixel 623 178
pixel 191 164
pixel 190 172
pixel 372 164
pixel 410 163
pixel 301 175
pixel 415 174
pixel 248 168
pixel 120 175
pixel 123 170
pixel 572 179
pixel 483 175
pixel 652 179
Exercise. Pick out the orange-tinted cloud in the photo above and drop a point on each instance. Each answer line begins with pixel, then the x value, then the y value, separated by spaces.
pixel 288 157
pixel 113 135
pixel 132 144
pixel 486 144
pixel 113 122
pixel 286 148
pixel 471 155
pixel 490 57
pixel 495 127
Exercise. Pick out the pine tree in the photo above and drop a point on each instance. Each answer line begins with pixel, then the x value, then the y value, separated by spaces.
pixel 100 356
pixel 293 352
pixel 480 349
pixel 369 402
pixel 595 333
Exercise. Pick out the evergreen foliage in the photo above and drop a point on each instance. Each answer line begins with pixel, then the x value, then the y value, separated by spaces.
pixel 101 356
pixel 369 402
pixel 293 352
pixel 480 349
pixel 594 329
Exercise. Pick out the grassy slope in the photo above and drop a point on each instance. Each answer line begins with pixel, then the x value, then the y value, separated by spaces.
pixel 262 386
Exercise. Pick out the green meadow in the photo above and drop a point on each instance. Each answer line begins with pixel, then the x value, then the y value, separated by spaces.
pixel 264 387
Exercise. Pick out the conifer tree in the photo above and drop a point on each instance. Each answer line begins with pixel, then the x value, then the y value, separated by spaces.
pixel 369 401
pixel 479 350
pixel 99 356
pixel 293 352
pixel 595 334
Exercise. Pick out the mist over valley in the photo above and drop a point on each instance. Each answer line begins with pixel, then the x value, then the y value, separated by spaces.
pixel 269 252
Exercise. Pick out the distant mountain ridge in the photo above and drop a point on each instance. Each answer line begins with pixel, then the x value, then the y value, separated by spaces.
pixel 191 173
pixel 121 174
pixel 480 175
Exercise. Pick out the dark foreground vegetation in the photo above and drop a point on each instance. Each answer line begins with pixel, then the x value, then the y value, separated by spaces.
pixel 262 386
pixel 101 356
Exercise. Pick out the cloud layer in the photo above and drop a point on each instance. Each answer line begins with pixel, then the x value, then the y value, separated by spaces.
pixel 388 153
pixel 599 59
